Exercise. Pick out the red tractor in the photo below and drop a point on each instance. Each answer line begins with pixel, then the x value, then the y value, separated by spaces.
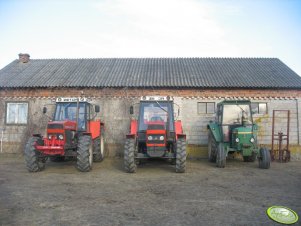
pixel 73 132
pixel 155 135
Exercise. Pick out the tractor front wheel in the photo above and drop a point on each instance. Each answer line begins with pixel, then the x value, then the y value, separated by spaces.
pixel 98 149
pixel 211 148
pixel 129 156
pixel 181 155
pixel 34 162
pixel 84 154
pixel 221 156
pixel 264 158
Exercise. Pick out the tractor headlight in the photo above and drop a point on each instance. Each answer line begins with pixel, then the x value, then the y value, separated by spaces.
pixel 61 137
pixel 150 138
pixel 49 137
pixel 237 140
pixel 161 137
pixel 252 140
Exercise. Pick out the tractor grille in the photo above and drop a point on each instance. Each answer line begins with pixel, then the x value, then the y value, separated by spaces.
pixel 156 139
pixel 156 127
pixel 55 126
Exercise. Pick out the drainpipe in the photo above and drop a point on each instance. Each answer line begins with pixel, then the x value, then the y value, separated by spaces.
pixel 1 139
pixel 297 108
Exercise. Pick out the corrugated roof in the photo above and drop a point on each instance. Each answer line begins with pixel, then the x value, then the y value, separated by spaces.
pixel 151 72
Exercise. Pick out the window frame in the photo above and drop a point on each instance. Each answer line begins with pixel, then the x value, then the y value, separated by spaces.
pixel 206 110
pixel 6 112
pixel 258 112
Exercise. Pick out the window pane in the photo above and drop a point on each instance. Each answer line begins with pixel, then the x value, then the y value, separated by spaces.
pixel 22 113
pixel 11 113
pixel 210 108
pixel 262 108
pixel 202 108
pixel 16 113
pixel 254 107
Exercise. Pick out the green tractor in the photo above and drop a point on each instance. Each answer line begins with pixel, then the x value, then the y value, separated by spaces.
pixel 234 131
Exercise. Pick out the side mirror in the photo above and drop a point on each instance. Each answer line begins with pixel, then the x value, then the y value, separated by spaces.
pixel 97 108
pixel 44 110
pixel 131 110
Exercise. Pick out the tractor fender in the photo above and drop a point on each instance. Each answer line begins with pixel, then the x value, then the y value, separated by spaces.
pixel 37 135
pixel 130 136
pixel 215 129
pixel 179 136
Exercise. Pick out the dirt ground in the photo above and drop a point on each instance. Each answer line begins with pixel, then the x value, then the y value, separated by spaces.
pixel 155 195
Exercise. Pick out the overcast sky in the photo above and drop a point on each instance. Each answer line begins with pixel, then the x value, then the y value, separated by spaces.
pixel 154 28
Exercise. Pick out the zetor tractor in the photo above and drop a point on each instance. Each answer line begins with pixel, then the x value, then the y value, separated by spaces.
pixel 71 134
pixel 155 135
pixel 234 131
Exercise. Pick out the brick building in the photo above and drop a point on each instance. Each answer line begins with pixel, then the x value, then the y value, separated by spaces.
pixel 196 84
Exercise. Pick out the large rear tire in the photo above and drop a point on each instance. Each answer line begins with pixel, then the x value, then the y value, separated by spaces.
pixel 34 161
pixel 264 158
pixel 211 148
pixel 221 156
pixel 181 155
pixel 84 154
pixel 98 149
pixel 129 156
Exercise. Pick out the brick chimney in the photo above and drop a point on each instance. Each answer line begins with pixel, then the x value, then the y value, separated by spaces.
pixel 24 57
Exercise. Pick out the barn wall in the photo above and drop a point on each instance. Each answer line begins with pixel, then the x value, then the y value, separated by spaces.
pixel 114 113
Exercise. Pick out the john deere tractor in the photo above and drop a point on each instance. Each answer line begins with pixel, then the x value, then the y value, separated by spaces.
pixel 73 133
pixel 155 135
pixel 234 131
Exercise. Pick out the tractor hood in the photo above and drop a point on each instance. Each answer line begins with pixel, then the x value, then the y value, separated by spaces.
pixel 65 125
pixel 244 135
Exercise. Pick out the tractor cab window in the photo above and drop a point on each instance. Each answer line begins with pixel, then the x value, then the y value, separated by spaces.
pixel 156 113
pixel 237 114
pixel 67 111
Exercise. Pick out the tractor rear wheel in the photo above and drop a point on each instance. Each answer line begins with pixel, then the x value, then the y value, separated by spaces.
pixel 129 156
pixel 211 148
pixel 34 162
pixel 221 156
pixel 98 149
pixel 181 155
pixel 84 154
pixel 264 158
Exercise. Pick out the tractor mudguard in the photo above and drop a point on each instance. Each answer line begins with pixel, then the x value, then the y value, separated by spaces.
pixel 216 131
pixel 94 129
pixel 37 135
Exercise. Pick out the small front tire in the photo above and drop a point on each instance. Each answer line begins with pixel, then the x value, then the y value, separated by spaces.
pixel 129 156
pixel 84 154
pixel 264 158
pixel 181 155
pixel 34 161
pixel 221 156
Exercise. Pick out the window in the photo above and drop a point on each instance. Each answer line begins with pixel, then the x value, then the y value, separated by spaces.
pixel 16 113
pixel 259 108
pixel 206 107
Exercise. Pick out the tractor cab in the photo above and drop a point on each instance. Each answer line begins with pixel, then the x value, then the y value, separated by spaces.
pixel 80 113
pixel 236 122
pixel 234 131
pixel 155 126
pixel 155 134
